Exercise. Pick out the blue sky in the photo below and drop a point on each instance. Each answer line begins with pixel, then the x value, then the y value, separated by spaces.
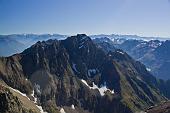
pixel 141 17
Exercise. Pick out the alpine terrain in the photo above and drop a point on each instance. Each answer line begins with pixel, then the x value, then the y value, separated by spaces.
pixel 76 75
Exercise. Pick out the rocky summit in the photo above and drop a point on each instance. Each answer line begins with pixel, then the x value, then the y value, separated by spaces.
pixel 76 75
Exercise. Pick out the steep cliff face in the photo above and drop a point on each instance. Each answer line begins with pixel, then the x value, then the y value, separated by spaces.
pixel 76 75
pixel 11 72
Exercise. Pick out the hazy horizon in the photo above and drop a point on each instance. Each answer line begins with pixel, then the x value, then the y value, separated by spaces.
pixel 154 37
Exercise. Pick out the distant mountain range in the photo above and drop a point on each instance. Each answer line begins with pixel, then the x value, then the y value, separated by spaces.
pixel 155 54
pixel 127 37
pixel 16 43
pixel 76 75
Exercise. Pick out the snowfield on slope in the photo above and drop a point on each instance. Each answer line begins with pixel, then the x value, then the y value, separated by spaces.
pixel 102 89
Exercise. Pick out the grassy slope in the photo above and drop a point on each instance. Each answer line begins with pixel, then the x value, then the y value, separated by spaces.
pixel 25 101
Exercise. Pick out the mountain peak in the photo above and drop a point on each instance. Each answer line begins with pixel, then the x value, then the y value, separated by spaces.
pixel 79 37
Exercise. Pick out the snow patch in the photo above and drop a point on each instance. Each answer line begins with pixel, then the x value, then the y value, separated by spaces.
pixel 74 67
pixel 88 50
pixel 155 44
pixel 32 93
pixel 35 99
pixel 82 42
pixel 85 82
pixel 120 52
pixel 37 88
pixel 72 106
pixel 141 112
pixel 81 46
pixel 62 110
pixel 102 89
pixel 41 110
pixel 19 92
pixel 148 69
pixel 83 38
pixel 43 47
pixel 91 72
pixel 39 107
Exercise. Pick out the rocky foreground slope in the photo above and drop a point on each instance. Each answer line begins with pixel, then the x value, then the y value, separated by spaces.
pixel 77 76
pixel 161 108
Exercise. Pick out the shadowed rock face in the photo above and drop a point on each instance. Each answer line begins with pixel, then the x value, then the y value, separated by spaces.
pixel 55 70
